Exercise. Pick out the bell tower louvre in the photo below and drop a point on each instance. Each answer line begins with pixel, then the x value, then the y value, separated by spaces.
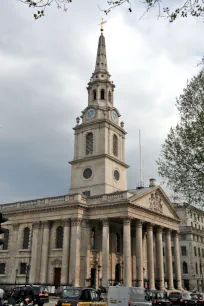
pixel 99 164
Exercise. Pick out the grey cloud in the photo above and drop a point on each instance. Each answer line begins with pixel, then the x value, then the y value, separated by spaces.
pixel 45 68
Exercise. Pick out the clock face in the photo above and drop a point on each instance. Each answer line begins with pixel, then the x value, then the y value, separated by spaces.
pixel 90 113
pixel 114 115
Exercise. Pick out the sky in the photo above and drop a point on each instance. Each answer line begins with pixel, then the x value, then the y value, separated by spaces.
pixel 45 66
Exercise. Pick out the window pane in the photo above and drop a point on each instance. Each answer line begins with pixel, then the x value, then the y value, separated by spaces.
pixel 115 145
pixel 26 235
pixel 6 240
pixel 59 237
pixel 89 143
pixel 2 268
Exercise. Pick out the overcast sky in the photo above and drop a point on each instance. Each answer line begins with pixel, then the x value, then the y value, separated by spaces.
pixel 45 66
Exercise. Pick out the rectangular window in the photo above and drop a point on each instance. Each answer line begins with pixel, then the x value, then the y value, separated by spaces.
pixel 2 268
pixel 195 251
pixel 163 252
pixel 23 268
pixel 203 252
pixel 183 251
pixel 198 251
pixel 183 237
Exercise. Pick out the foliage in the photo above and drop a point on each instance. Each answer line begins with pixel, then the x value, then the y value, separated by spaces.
pixel 181 161
pixel 194 8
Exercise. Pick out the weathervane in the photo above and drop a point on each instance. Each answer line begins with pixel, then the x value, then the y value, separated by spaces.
pixel 102 23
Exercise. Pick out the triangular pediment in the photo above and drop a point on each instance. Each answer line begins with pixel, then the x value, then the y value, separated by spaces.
pixel 154 200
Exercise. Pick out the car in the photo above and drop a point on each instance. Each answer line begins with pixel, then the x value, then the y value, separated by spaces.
pixel 74 296
pixel 199 297
pixel 159 298
pixel 181 298
pixel 39 294
pixel 128 296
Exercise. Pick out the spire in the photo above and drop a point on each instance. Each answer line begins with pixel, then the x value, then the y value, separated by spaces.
pixel 101 61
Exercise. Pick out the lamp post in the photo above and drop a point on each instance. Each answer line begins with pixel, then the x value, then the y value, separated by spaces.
pixel 16 276
pixel 99 268
pixel 27 273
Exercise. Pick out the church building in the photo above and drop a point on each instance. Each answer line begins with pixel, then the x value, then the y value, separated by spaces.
pixel 100 233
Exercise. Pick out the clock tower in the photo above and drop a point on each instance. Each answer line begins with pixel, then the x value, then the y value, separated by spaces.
pixel 99 164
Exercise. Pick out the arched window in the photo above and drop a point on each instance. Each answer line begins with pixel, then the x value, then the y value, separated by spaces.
pixel 115 145
pixel 185 268
pixel 89 143
pixel 59 237
pixel 117 243
pixel 94 94
pixel 93 238
pixel 6 240
pixel 102 94
pixel 109 96
pixel 26 235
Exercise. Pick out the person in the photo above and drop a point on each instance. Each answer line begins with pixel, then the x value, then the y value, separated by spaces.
pixel 1 297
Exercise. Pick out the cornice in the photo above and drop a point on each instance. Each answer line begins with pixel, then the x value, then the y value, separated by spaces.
pixel 99 121
pixel 76 161
pixel 21 211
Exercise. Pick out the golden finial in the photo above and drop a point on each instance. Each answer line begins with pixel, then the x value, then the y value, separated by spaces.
pixel 102 23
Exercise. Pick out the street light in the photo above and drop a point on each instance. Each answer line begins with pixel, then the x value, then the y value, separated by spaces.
pixel 16 276
pixel 99 268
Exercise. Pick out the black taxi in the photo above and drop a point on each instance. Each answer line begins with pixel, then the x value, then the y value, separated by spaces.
pixel 80 297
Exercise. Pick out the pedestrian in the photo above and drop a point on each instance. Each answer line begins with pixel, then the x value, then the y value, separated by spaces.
pixel 1 297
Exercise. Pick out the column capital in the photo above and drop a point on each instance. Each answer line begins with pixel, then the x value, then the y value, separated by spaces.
pixel 159 229
pixel 176 233
pixel 66 222
pixel 36 224
pixel 139 223
pixel 150 226
pixel 168 231
pixel 86 223
pixel 15 226
pixel 105 222
pixel 127 220
pixel 46 224
pixel 76 221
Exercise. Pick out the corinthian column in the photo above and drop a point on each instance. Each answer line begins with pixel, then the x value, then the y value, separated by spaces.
pixel 74 268
pixel 159 262
pixel 177 261
pixel 45 250
pixel 65 254
pixel 127 252
pixel 105 252
pixel 139 254
pixel 150 256
pixel 34 252
pixel 169 269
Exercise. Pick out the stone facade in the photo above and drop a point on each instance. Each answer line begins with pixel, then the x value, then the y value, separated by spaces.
pixel 100 233
pixel 192 246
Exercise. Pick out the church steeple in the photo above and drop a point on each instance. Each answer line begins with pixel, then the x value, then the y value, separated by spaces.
pixel 101 88
pixel 99 164
pixel 101 60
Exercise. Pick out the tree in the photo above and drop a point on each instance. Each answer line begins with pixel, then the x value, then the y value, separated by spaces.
pixel 181 161
pixel 188 7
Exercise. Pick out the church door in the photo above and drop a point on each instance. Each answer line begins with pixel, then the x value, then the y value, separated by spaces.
pixel 57 276
pixel 117 273
pixel 93 277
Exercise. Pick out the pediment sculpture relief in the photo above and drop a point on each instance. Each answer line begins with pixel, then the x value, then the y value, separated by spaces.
pixel 156 203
